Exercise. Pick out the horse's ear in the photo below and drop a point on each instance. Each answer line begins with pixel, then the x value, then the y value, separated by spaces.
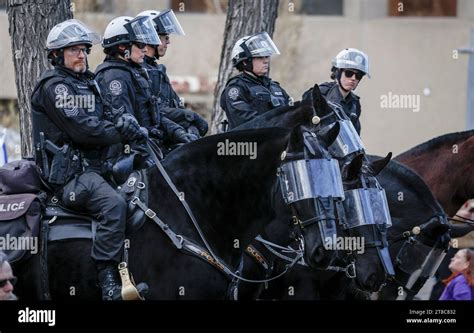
pixel 354 167
pixel 296 139
pixel 377 166
pixel 319 102
pixel 328 136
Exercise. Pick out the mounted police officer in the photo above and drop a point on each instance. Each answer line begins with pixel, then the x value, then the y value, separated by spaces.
pixel 125 83
pixel 170 103
pixel 348 69
pixel 252 92
pixel 71 139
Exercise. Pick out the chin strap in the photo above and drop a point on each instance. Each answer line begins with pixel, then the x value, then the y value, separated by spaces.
pixel 338 78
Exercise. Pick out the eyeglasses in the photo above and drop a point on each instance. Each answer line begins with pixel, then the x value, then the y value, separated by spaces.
pixel 77 50
pixel 141 46
pixel 349 73
pixel 3 283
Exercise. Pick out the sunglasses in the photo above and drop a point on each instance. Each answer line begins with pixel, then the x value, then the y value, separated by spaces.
pixel 141 46
pixel 3 283
pixel 349 73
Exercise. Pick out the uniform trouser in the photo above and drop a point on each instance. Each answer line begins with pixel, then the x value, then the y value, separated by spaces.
pixel 90 193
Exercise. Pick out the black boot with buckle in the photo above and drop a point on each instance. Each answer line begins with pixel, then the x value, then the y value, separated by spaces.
pixel 109 282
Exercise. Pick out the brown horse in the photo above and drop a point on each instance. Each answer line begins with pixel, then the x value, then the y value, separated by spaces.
pixel 446 164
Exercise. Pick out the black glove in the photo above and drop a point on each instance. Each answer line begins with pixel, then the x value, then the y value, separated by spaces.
pixel 181 135
pixel 198 121
pixel 156 133
pixel 194 131
pixel 143 134
pixel 128 127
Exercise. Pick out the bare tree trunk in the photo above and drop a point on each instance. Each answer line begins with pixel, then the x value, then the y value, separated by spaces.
pixel 29 24
pixel 244 17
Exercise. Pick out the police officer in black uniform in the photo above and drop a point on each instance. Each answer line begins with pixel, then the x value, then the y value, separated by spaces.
pixel 71 139
pixel 252 92
pixel 126 85
pixel 348 68
pixel 170 104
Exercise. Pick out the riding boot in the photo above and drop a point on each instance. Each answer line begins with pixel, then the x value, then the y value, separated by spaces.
pixel 109 282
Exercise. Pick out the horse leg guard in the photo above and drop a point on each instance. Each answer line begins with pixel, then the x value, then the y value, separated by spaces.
pixel 130 292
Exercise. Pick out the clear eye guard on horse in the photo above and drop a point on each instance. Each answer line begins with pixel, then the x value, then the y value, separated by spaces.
pixel 366 206
pixel 308 179
pixel 348 141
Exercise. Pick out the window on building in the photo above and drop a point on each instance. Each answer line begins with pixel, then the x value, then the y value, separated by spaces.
pixel 320 7
pixel 422 7
pixel 95 6
pixel 200 6
pixel 3 4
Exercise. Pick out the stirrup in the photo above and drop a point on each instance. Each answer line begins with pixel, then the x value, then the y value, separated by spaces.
pixel 129 290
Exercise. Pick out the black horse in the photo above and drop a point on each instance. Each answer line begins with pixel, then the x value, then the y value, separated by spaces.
pixel 370 272
pixel 230 198
pixel 305 211
pixel 337 281
pixel 419 236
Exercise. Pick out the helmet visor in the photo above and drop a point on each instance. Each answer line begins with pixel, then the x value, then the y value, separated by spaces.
pixel 167 23
pixel 73 32
pixel 261 45
pixel 141 30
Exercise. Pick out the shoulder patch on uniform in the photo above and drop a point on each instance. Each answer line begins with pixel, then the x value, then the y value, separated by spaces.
pixel 61 89
pixel 72 112
pixel 115 87
pixel 233 93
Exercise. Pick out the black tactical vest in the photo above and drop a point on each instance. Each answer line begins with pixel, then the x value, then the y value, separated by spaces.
pixel 144 103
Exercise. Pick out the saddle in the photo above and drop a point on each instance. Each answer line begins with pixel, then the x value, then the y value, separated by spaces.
pixel 64 223
pixel 29 221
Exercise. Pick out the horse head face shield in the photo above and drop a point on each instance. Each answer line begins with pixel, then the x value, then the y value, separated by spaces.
pixel 317 179
pixel 308 179
pixel 347 142
pixel 365 207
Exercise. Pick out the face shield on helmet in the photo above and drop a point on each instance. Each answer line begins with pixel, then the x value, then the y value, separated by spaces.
pixel 141 30
pixel 167 23
pixel 258 45
pixel 69 33
pixel 353 59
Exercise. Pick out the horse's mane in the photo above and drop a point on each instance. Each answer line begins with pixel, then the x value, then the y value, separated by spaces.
pixel 207 147
pixel 412 178
pixel 436 143
pixel 276 113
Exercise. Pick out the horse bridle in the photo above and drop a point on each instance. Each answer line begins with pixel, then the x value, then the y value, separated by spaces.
pixel 410 237
pixel 181 242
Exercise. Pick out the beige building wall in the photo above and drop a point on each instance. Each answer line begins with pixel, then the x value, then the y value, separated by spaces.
pixel 409 56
